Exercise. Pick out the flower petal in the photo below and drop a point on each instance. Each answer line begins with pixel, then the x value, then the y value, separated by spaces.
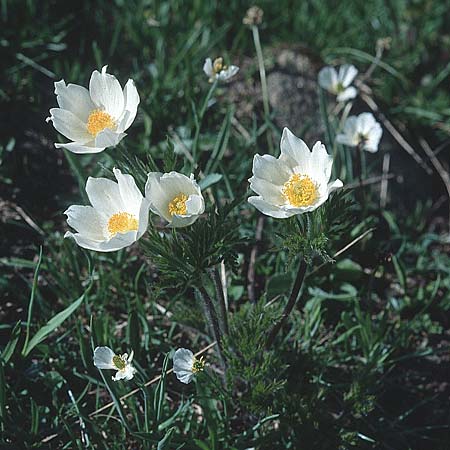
pixel 183 359
pixel 328 79
pixel 75 99
pixel 348 94
pixel 106 93
pixel 271 169
pixel 103 358
pixel 294 152
pixel 119 241
pixel 104 196
pixel 228 73
pixel 270 192
pixel 87 221
pixel 69 125
pixel 269 210
pixel 208 67
pixel 75 147
pixel 347 74
pixel 321 162
pixel 130 193
pixel 131 101
pixel 108 138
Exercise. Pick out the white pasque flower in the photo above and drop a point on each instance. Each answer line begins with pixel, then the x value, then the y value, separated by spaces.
pixel 363 131
pixel 96 118
pixel 175 197
pixel 117 218
pixel 105 358
pixel 186 365
pixel 338 83
pixel 216 70
pixel 294 183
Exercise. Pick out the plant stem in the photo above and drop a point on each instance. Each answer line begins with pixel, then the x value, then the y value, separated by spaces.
pixel 298 283
pixel 221 298
pixel 198 123
pixel 211 317
pixel 262 75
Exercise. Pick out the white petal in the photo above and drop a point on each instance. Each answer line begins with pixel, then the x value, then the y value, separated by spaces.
pixel 106 93
pixel 143 218
pixel 365 123
pixel 208 67
pixel 228 73
pixel 69 125
pixel 75 147
pixel 270 192
pixel 346 139
pixel 156 196
pixel 104 196
pixel 108 138
pixel 321 163
pixel 271 169
pixel 348 94
pixel 75 99
pixel 103 358
pixel 347 74
pixel 195 205
pixel 131 100
pixel 268 209
pixel 294 152
pixel 177 221
pixel 328 79
pixel 87 221
pixel 130 193
pixel 373 140
pixel 126 374
pixel 184 376
pixel 119 241
pixel 337 184
pixel 183 359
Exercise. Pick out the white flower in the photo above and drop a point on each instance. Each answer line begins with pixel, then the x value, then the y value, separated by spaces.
pixel 175 197
pixel 117 218
pixel 338 83
pixel 105 358
pixel 96 118
pixel 218 71
pixel 362 130
pixel 294 183
pixel 186 365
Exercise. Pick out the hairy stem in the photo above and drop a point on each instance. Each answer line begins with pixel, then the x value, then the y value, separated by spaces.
pixel 215 276
pixel 298 283
pixel 211 317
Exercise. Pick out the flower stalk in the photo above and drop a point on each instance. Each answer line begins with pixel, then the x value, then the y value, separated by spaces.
pixel 295 292
pixel 215 277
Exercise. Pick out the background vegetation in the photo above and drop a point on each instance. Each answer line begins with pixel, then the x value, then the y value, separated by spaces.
pixel 362 363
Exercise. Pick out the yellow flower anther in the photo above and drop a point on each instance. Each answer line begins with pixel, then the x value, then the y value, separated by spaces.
pixel 178 205
pixel 300 190
pixel 119 362
pixel 122 223
pixel 98 120
pixel 198 364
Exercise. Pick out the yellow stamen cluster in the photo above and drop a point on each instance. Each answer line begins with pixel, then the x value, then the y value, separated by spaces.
pixel 122 223
pixel 178 205
pixel 198 365
pixel 119 361
pixel 218 65
pixel 98 120
pixel 300 190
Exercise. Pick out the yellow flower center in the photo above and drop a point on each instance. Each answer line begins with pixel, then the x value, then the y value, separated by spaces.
pixel 178 205
pixel 122 223
pixel 198 365
pixel 300 190
pixel 218 65
pixel 119 362
pixel 98 120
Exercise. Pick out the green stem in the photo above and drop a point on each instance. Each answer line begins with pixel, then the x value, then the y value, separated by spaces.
pixel 298 283
pixel 262 75
pixel 198 123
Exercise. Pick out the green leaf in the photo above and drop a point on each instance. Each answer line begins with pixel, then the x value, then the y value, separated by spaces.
pixel 12 343
pixel 209 180
pixel 53 323
pixel 165 441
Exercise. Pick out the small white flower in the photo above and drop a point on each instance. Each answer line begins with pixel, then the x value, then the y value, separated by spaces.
pixel 362 130
pixel 338 83
pixel 186 365
pixel 218 71
pixel 294 183
pixel 175 197
pixel 105 358
pixel 96 118
pixel 117 218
